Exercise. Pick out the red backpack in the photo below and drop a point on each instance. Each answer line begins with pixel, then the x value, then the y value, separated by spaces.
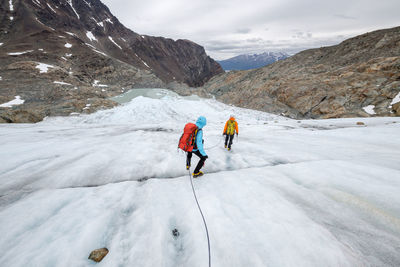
pixel 187 140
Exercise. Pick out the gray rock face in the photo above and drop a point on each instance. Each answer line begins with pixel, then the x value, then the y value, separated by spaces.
pixel 92 57
pixel 329 82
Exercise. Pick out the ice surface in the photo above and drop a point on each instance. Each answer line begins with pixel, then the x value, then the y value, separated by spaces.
pixel 290 193
pixel 16 101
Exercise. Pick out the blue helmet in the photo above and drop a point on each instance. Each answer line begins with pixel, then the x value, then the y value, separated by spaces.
pixel 201 122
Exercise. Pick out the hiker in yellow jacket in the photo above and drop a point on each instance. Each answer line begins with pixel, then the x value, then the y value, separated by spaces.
pixel 231 126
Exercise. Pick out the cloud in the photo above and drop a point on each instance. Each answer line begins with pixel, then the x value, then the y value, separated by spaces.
pixel 344 17
pixel 257 25
pixel 243 30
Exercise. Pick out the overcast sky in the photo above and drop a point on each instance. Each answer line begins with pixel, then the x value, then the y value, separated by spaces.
pixel 229 28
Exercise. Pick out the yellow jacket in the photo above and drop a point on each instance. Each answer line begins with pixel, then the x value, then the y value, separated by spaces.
pixel 231 126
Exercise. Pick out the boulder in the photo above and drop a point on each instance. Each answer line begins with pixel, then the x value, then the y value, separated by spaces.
pixel 98 254
pixel 396 108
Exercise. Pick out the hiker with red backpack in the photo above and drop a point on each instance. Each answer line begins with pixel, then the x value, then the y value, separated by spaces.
pixel 192 141
pixel 231 126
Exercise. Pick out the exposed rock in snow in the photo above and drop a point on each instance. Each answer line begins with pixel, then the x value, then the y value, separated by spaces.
pixel 98 254
pixel 396 108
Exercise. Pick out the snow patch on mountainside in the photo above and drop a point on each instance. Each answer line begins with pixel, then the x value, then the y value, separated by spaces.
pixel 70 3
pixel 43 67
pixel 15 102
pixel 11 6
pixel 370 109
pixel 90 35
pixel 111 39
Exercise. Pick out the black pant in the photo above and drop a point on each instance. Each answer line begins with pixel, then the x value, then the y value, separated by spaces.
pixel 230 138
pixel 201 161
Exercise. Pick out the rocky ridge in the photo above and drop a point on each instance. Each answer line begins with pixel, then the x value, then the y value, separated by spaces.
pixel 68 56
pixel 358 77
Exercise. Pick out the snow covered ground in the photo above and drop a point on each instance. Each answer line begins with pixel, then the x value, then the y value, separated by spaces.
pixel 290 193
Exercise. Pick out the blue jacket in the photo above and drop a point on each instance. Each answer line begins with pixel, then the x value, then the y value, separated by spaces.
pixel 200 123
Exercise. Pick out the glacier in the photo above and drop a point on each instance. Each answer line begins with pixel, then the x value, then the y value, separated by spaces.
pixel 290 193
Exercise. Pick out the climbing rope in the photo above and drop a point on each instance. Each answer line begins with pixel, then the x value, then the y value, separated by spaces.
pixel 214 146
pixel 204 220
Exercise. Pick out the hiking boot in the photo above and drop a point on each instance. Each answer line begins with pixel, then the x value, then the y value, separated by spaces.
pixel 195 175
pixel 225 146
pixel 229 148
pixel 187 167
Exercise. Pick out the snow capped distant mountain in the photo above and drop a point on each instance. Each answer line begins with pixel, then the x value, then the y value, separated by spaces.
pixel 253 61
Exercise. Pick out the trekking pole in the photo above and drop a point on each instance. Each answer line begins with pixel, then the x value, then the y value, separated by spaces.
pixel 204 220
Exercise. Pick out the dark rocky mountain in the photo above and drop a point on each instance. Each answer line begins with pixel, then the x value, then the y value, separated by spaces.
pixel 358 77
pixel 254 61
pixel 90 56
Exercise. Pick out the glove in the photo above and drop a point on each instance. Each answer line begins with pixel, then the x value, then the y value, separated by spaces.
pixel 206 157
pixel 223 133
